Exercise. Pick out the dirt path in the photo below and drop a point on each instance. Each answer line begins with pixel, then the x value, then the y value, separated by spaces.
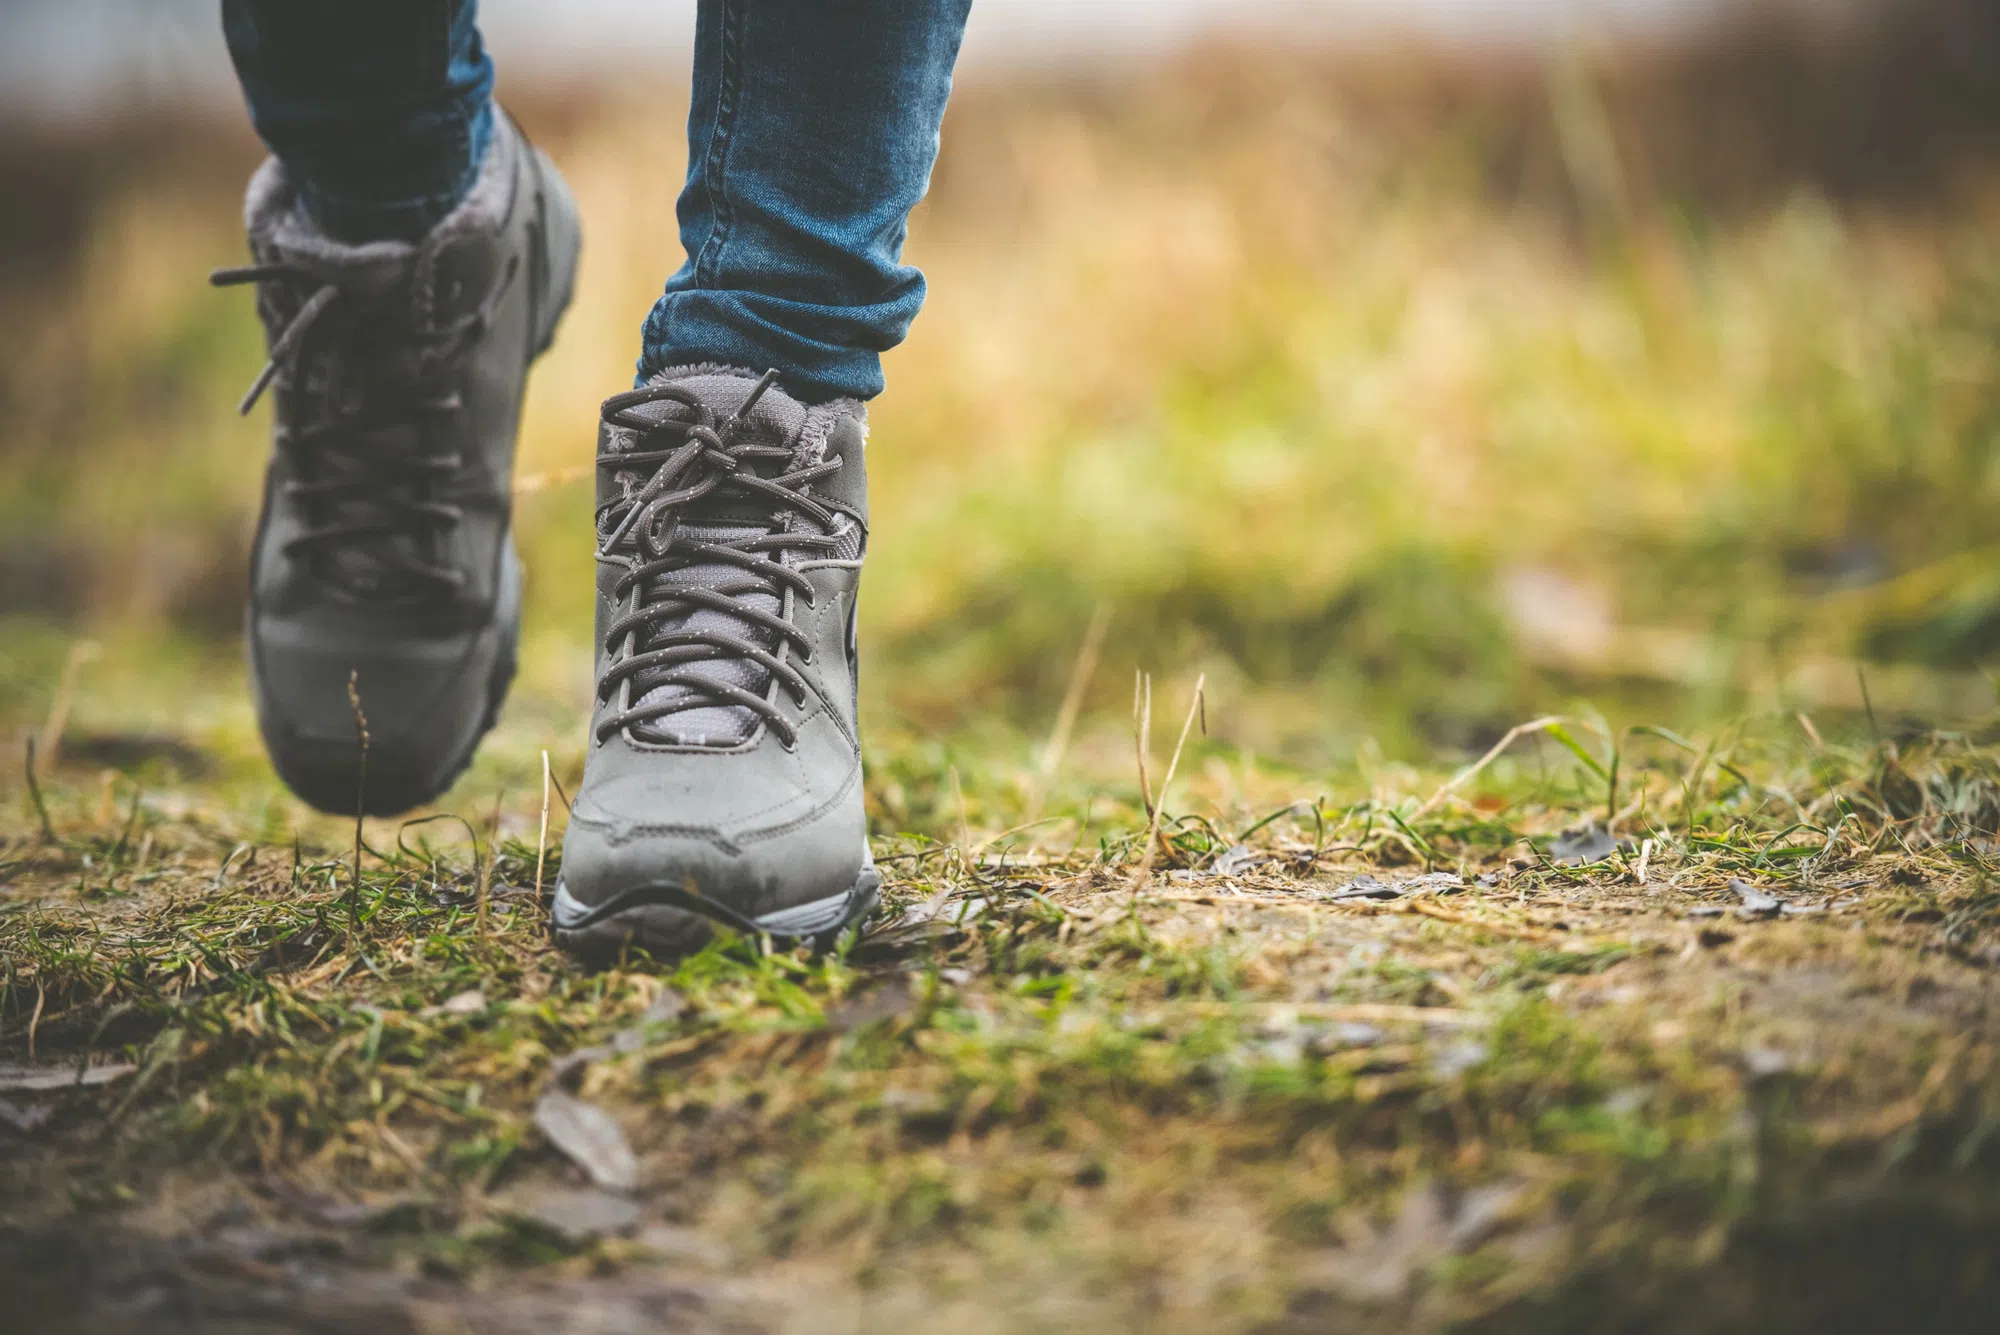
pixel 1359 1072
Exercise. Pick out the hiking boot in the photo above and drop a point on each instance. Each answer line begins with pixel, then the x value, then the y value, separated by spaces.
pixel 384 560
pixel 723 784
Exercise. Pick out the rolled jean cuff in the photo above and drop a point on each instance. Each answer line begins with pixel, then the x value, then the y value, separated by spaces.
pixel 761 333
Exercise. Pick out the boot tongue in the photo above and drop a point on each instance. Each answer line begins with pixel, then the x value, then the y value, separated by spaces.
pixel 724 516
pixel 776 416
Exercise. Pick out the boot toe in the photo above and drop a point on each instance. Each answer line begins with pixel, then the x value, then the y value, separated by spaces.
pixel 423 712
pixel 623 839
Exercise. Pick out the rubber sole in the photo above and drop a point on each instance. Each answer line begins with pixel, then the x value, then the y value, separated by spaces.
pixel 669 920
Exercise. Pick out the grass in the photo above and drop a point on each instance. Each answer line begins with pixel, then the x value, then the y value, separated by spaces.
pixel 1041 1093
pixel 1282 390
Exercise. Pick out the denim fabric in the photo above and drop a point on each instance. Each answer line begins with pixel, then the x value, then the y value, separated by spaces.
pixel 811 136
pixel 381 110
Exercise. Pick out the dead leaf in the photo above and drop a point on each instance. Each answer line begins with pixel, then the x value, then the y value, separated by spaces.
pixel 465 1003
pixel 35 1078
pixel 1236 859
pixel 1762 1063
pixel 25 1118
pixel 576 1214
pixel 1345 1034
pixel 1578 848
pixel 1367 887
pixel 1755 903
pixel 590 1138
pixel 568 1069
pixel 665 1008
pixel 1483 1213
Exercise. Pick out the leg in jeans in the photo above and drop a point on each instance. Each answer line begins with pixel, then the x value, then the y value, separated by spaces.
pixel 723 780
pixel 381 110
pixel 811 136
pixel 411 253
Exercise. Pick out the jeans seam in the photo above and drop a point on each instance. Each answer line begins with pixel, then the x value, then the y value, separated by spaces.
pixel 728 98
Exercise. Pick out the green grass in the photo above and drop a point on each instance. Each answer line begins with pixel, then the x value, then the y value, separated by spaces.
pixel 1196 1099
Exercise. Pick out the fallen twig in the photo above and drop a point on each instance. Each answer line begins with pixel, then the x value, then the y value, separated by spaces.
pixel 1166 783
pixel 542 839
pixel 1470 771
pixel 35 793
pixel 360 792
pixel 1072 702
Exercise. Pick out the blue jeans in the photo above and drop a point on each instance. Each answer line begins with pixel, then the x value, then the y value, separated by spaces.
pixel 811 136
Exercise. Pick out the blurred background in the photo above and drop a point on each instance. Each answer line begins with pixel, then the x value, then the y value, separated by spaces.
pixel 1410 369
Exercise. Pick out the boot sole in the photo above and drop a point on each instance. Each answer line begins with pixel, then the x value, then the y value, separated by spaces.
pixel 668 921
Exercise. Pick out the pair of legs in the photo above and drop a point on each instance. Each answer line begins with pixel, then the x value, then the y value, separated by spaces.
pixel 812 129
pixel 412 254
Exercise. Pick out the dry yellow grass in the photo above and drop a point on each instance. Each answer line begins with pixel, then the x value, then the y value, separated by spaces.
pixel 1287 388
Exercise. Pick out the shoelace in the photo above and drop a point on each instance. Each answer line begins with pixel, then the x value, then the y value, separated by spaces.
pixel 374 488
pixel 692 458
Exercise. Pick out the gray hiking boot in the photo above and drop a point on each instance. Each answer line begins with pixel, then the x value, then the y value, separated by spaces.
pixel 723 784
pixel 385 554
